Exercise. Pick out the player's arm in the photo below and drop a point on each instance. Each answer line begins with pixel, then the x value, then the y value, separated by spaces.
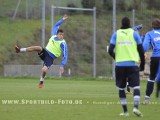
pixel 140 50
pixel 65 55
pixel 138 27
pixel 142 56
pixel 57 25
pixel 112 46
pixel 111 51
pixel 146 42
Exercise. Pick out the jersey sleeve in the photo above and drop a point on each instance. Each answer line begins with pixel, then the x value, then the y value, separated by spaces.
pixel 137 38
pixel 113 38
pixel 146 42
pixel 138 27
pixel 56 27
pixel 64 53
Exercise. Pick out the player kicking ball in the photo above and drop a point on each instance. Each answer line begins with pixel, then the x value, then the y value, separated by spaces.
pixel 55 47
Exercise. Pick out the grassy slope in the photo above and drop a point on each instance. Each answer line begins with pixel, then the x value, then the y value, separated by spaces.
pixel 13 32
pixel 89 91
pixel 28 32
pixel 78 33
pixel 18 30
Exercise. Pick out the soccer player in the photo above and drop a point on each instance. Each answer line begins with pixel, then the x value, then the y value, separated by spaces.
pixel 128 47
pixel 152 38
pixel 55 47
pixel 136 28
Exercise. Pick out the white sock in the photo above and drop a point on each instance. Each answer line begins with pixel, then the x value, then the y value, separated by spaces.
pixel 136 99
pixel 41 79
pixel 23 50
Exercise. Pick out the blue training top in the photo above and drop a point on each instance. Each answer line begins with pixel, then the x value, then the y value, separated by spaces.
pixel 63 45
pixel 138 41
pixel 152 38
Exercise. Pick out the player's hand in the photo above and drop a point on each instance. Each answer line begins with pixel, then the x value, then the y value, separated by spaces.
pixel 141 25
pixel 145 55
pixel 61 69
pixel 65 17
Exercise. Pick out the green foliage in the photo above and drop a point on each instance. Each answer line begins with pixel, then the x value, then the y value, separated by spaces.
pixel 151 4
pixel 107 5
pixel 22 32
pixel 88 4
pixel 72 12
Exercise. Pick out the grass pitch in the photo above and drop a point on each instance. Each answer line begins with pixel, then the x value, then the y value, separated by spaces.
pixel 67 99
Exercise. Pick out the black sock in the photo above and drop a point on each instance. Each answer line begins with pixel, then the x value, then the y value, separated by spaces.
pixel 150 87
pixel 125 108
pixel 41 82
pixel 158 90
pixel 128 89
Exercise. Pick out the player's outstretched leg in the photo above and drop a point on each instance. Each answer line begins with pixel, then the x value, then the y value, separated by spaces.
pixel 28 49
pixel 44 71
pixel 157 89
pixel 149 90
pixel 17 48
pixel 41 82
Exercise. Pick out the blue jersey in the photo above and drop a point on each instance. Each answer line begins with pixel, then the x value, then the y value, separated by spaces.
pixel 63 45
pixel 138 41
pixel 152 38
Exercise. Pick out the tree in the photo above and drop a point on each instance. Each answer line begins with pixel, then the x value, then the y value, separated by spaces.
pixel 153 4
pixel 107 4
pixel 71 12
pixel 88 4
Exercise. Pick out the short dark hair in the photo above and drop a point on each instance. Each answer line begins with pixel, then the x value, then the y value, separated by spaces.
pixel 125 22
pixel 59 30
pixel 156 23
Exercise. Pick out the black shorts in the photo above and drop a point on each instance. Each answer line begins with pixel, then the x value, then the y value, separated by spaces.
pixel 127 73
pixel 47 59
pixel 154 64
